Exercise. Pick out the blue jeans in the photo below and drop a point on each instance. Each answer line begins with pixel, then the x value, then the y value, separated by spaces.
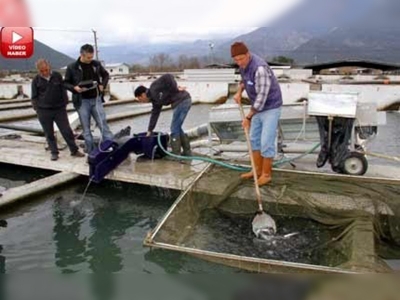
pixel 93 107
pixel 263 130
pixel 179 116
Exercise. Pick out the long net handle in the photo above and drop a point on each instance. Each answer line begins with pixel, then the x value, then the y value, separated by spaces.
pixel 253 165
pixel 395 158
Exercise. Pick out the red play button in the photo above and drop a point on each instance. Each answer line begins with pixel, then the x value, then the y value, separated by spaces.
pixel 16 42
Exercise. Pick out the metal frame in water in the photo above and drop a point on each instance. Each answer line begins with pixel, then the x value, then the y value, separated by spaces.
pixel 160 238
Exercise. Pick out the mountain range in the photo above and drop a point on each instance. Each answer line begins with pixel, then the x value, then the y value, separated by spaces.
pixel 320 31
pixel 373 36
pixel 314 31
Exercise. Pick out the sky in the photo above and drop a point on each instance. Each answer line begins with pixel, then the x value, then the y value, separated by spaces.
pixel 67 23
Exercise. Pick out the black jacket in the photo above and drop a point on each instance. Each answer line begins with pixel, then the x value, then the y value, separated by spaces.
pixel 164 91
pixel 73 77
pixel 49 94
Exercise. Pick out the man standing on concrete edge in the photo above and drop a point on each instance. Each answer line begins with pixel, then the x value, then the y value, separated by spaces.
pixel 165 91
pixel 86 78
pixel 49 100
pixel 265 95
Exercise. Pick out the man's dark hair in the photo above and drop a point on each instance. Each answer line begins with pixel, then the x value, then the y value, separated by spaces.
pixel 140 90
pixel 87 48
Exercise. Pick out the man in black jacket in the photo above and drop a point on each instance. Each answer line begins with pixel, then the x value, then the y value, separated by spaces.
pixel 165 91
pixel 86 79
pixel 49 99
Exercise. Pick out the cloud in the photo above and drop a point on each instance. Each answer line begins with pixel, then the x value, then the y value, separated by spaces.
pixel 150 21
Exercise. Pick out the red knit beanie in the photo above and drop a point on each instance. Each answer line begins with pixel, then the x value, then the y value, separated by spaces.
pixel 238 48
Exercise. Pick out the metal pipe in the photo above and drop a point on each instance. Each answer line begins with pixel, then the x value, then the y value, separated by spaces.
pixel 199 131
pixel 15 194
pixel 15 106
pixel 150 237
pixel 95 44
pixel 21 128
pixel 14 101
pixel 330 119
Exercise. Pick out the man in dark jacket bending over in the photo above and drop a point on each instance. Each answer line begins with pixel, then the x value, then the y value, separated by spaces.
pixel 165 91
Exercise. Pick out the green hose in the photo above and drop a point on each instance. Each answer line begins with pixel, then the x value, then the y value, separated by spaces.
pixel 288 160
pixel 227 165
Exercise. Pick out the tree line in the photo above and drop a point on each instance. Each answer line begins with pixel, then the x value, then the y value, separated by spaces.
pixel 163 62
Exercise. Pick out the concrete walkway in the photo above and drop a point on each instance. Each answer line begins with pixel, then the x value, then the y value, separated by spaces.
pixel 30 151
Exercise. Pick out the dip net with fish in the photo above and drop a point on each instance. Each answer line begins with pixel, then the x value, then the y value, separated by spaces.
pixel 325 223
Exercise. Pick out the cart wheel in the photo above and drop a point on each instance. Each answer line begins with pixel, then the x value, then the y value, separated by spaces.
pixel 355 164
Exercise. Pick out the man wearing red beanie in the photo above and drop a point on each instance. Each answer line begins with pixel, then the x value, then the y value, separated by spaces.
pixel 265 95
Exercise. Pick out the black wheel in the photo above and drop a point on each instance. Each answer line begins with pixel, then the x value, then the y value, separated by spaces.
pixel 355 164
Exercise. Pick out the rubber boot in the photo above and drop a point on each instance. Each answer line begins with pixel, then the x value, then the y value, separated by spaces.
pixel 258 163
pixel 266 174
pixel 175 148
pixel 186 145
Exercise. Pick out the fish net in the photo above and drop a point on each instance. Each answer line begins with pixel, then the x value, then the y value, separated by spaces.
pixel 325 223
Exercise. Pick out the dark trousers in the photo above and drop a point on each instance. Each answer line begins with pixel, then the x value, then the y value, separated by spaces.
pixel 47 118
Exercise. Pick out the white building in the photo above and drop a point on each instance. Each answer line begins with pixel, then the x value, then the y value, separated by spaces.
pixel 117 69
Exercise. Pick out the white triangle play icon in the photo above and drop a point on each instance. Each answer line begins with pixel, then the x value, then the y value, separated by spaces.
pixel 16 37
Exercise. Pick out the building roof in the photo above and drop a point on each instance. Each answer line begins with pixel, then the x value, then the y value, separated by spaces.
pixel 278 64
pixel 115 65
pixel 235 66
pixel 221 66
pixel 353 63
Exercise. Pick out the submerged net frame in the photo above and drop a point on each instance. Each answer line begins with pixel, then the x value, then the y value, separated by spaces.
pixel 364 210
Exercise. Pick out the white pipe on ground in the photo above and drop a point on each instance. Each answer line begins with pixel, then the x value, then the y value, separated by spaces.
pixel 197 132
